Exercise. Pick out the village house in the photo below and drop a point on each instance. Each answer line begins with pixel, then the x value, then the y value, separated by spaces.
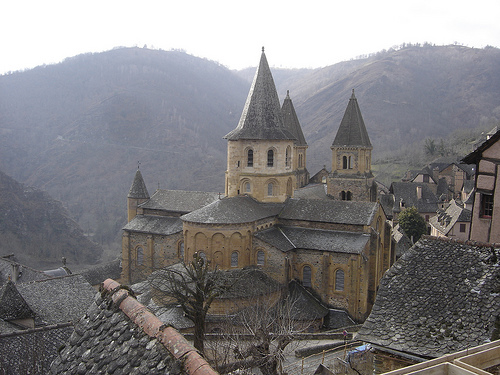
pixel 37 317
pixel 486 206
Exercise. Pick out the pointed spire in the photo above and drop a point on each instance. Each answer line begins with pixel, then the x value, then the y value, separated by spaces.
pixel 352 130
pixel 291 121
pixel 138 189
pixel 261 117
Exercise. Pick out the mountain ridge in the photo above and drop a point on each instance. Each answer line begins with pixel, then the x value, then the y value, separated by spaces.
pixel 78 129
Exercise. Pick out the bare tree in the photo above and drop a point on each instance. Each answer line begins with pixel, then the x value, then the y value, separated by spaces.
pixel 194 287
pixel 260 334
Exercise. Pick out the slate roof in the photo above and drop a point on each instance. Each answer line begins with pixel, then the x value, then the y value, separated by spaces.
pixel 12 304
pixel 403 243
pixel 407 192
pixel 25 273
pixel 58 300
pixel 154 224
pixel 291 121
pixel 98 273
pixel 262 117
pixel 352 129
pixel 239 209
pixel 179 200
pixel 332 211
pixel 445 220
pixel 31 351
pixel 438 298
pixel 387 202
pixel 248 282
pixel 290 238
pixel 425 171
pixel 119 335
pixel 138 189
pixel 304 306
pixel 312 191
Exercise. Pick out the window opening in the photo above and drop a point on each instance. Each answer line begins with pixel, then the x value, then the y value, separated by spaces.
pixel 339 280
pixel 270 189
pixel 234 259
pixel 486 205
pixel 181 250
pixel 270 158
pixel 250 158
pixel 260 258
pixel 140 256
pixel 307 276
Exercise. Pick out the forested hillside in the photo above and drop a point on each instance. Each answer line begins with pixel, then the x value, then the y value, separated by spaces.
pixel 79 128
pixel 38 230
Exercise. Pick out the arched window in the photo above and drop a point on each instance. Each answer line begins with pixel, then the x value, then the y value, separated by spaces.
pixel 270 189
pixel 261 258
pixel 250 158
pixel 140 256
pixel 346 195
pixel 287 156
pixel 344 162
pixel 349 162
pixel 339 280
pixel 180 250
pixel 301 160
pixel 270 158
pixel 234 259
pixel 247 187
pixel 307 276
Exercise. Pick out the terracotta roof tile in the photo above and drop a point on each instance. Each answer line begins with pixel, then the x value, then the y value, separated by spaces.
pixel 120 334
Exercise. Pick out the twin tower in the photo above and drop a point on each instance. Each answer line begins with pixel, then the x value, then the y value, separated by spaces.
pixel 266 153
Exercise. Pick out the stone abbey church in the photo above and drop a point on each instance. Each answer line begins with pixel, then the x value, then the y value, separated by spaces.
pixel 331 237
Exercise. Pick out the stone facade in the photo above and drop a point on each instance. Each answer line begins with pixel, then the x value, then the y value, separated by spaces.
pixel 351 177
pixel 336 249
pixel 262 169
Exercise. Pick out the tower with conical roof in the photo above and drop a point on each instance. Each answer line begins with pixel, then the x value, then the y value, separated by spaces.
pixel 298 155
pixel 260 157
pixel 351 177
pixel 137 194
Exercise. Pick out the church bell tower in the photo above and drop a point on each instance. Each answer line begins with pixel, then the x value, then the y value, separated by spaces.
pixel 351 177
pixel 261 149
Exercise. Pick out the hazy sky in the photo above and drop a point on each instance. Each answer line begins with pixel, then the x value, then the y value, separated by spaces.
pixel 303 33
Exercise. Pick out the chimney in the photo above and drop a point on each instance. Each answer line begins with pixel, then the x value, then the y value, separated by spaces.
pixel 14 272
pixel 419 192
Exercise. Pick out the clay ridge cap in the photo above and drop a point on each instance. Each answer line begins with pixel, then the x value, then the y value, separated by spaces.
pixel 175 343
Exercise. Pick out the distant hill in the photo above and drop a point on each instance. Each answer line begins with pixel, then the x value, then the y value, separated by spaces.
pixel 38 230
pixel 78 129
pixel 405 97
